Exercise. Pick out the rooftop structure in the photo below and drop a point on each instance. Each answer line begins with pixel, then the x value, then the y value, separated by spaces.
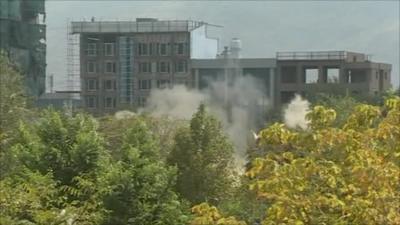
pixel 141 25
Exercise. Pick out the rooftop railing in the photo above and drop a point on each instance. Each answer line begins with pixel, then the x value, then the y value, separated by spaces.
pixel 318 55
pixel 134 26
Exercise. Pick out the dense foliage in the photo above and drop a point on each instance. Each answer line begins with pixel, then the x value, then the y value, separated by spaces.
pixel 204 160
pixel 63 168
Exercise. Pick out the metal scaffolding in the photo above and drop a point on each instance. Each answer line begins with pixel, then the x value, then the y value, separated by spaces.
pixel 73 61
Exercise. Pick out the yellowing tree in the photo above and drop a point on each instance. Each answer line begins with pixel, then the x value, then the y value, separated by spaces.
pixel 328 175
pixel 209 215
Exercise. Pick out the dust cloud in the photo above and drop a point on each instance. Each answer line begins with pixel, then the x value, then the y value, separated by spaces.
pixel 295 113
pixel 237 104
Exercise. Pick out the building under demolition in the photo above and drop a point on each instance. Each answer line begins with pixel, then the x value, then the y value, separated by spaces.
pixel 22 38
pixel 120 62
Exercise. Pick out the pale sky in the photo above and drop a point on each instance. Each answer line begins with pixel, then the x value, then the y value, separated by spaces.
pixel 265 27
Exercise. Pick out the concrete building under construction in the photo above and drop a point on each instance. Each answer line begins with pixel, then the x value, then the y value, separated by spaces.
pixel 335 72
pixel 120 62
pixel 23 39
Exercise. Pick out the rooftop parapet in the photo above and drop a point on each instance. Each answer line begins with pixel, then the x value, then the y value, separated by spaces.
pixel 319 55
pixel 137 26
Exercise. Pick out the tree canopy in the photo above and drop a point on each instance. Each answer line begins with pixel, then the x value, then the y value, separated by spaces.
pixel 204 159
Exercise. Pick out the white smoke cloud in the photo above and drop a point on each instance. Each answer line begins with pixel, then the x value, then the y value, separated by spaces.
pixel 124 114
pixel 237 104
pixel 179 102
pixel 295 113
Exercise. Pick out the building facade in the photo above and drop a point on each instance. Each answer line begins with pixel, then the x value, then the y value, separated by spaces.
pixel 23 39
pixel 120 62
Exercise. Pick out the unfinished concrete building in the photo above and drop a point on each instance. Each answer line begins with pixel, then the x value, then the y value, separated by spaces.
pixel 22 38
pixel 335 72
pixel 120 62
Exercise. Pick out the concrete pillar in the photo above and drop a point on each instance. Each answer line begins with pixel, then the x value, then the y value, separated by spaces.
pixel 320 74
pixel 196 79
pixel 272 86
pixel 299 73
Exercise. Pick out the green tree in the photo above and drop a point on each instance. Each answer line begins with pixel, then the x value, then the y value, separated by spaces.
pixel 140 184
pixel 204 160
pixel 13 103
pixel 12 97
pixel 63 145
pixel 162 128
pixel 67 149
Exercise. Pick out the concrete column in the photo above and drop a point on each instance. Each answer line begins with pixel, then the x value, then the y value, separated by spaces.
pixel 299 73
pixel 272 86
pixel 196 79
pixel 320 74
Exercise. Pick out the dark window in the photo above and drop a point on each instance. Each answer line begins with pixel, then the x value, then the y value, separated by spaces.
pixel 181 66
pixel 144 84
pixel 110 67
pixel 163 49
pixel 91 49
pixel 109 85
pixel 91 67
pixel 180 48
pixel 91 101
pixel 91 84
pixel 356 76
pixel 287 96
pixel 163 67
pixel 109 49
pixel 143 49
pixel 144 67
pixel 163 83
pixel 142 101
pixel 109 102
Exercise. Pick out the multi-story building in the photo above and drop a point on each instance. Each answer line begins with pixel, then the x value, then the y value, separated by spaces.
pixel 120 62
pixel 23 39
pixel 330 71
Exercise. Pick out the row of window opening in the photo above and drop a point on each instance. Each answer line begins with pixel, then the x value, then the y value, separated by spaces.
pixel 143 49
pixel 180 66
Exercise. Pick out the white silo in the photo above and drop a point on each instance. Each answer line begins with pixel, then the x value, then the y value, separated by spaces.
pixel 236 47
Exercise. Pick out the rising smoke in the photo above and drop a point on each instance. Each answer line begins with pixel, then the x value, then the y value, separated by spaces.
pixel 295 113
pixel 238 104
